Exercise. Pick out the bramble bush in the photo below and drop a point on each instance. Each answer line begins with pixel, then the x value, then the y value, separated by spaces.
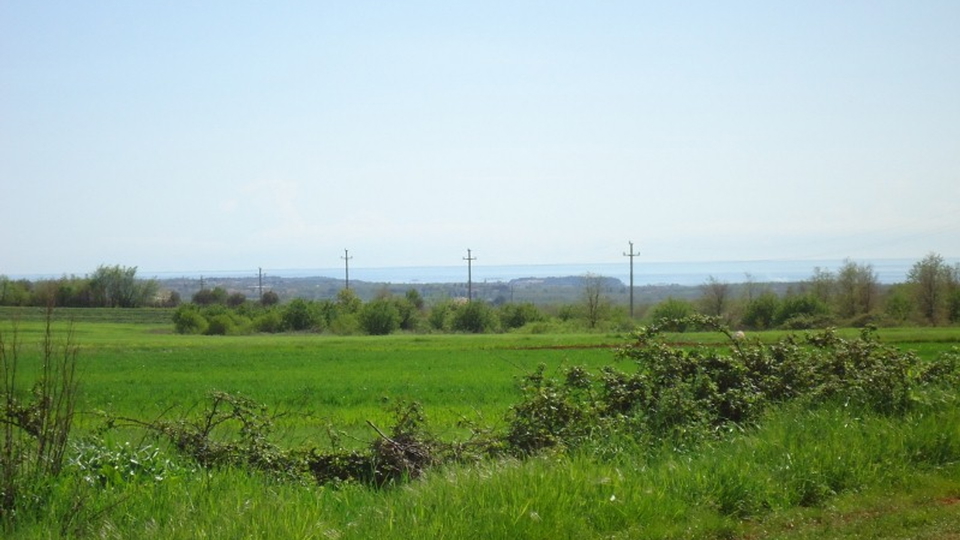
pixel 688 393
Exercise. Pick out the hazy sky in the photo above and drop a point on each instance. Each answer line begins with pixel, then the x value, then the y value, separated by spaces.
pixel 233 135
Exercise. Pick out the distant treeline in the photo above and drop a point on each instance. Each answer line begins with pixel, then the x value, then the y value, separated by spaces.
pixel 109 286
pixel 851 296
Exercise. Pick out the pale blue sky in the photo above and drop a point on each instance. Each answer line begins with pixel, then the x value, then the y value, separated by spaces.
pixel 232 135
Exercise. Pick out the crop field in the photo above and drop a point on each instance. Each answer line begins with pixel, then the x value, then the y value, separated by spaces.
pixel 315 381
pixel 142 369
pixel 319 385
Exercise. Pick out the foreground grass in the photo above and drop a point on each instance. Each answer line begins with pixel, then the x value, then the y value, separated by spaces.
pixel 830 473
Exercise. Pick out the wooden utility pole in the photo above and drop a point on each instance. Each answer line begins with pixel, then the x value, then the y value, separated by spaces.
pixel 260 282
pixel 346 267
pixel 469 260
pixel 631 254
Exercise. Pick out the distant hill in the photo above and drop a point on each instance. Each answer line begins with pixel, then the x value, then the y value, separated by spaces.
pixel 538 290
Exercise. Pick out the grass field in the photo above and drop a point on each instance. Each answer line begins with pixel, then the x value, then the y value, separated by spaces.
pixel 804 474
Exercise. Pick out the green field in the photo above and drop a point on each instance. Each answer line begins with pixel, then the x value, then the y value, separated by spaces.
pixel 739 487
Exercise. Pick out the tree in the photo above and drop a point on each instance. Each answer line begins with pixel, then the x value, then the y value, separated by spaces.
pixel 931 278
pixel 117 286
pixel 348 303
pixel 715 296
pixel 209 297
pixel 821 285
pixel 236 299
pixel 857 288
pixel 595 304
pixel 761 312
pixel 269 298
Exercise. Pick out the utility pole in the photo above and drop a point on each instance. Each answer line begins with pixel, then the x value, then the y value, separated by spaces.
pixel 631 254
pixel 260 282
pixel 346 267
pixel 469 260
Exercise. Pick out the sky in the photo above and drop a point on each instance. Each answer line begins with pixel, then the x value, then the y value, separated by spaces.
pixel 192 136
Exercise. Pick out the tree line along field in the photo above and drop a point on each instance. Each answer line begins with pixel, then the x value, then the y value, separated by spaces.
pixel 888 476
pixel 850 296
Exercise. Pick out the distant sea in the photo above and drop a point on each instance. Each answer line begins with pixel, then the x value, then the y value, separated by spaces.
pixel 644 273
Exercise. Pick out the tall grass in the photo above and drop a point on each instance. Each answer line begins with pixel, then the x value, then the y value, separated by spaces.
pixel 798 458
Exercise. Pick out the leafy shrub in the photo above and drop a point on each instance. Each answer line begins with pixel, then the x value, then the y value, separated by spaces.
pixel 298 316
pixel 692 392
pixel 380 317
pixel 345 324
pixel 518 315
pixel 441 314
pixel 101 465
pixel 671 314
pixel 550 413
pixel 761 312
pixel 269 321
pixel 801 312
pixel 188 320
pixel 475 317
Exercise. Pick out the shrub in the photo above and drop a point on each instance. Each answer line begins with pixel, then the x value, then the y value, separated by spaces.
pixel 474 317
pixel 188 320
pixel 518 315
pixel 223 321
pixel 380 317
pixel 671 314
pixel 297 315
pixel 441 315
pixel 761 312
pixel 269 321
pixel 689 393
pixel 801 312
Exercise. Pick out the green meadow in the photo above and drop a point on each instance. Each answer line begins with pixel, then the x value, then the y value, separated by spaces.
pixel 830 472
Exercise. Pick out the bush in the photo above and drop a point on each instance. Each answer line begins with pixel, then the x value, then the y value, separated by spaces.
pixel 380 317
pixel 269 321
pixel 801 312
pixel 761 312
pixel 475 317
pixel 298 316
pixel 671 314
pixel 690 393
pixel 518 315
pixel 188 320
pixel 441 315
